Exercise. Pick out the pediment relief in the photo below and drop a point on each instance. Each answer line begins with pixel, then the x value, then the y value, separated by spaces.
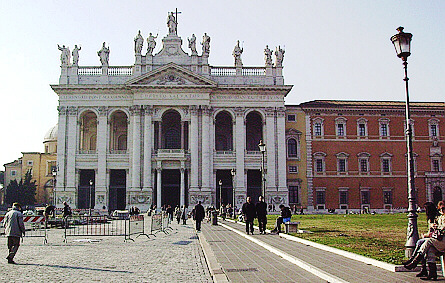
pixel 293 132
pixel 171 75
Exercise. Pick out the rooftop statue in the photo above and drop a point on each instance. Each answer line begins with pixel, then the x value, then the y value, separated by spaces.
pixel 104 54
pixel 192 44
pixel 268 56
pixel 65 56
pixel 279 57
pixel 171 23
pixel 138 43
pixel 205 45
pixel 151 40
pixel 76 55
pixel 237 51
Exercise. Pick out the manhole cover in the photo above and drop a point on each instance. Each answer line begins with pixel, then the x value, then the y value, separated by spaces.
pixel 241 269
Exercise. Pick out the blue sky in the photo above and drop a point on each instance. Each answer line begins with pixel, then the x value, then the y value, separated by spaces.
pixel 334 49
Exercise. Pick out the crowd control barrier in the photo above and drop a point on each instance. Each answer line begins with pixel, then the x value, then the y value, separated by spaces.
pixel 34 227
pixel 136 226
pixel 85 225
pixel 159 223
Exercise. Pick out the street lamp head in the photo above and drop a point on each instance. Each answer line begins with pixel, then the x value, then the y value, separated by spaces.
pixel 262 146
pixel 91 182
pixel 220 183
pixel 402 43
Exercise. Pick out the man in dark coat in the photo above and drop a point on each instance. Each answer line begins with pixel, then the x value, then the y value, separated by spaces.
pixel 249 214
pixel 261 213
pixel 286 214
pixel 198 216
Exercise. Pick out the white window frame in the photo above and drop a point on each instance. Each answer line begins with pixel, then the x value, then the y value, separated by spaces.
pixel 340 121
pixel 297 140
pixel 384 121
pixel 343 205
pixel 317 205
pixel 364 205
pixel 320 121
pixel 438 159
pixel 386 156
pixel 364 156
pixel 365 123
pixel 13 173
pixel 293 172
pixel 29 163
pixel 435 122
pixel 292 115
pixel 388 205
pixel 342 156
pixel 320 156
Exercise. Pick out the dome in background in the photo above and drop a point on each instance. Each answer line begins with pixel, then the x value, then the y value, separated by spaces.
pixel 51 135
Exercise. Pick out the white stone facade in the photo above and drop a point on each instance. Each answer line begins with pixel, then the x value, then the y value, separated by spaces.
pixel 177 109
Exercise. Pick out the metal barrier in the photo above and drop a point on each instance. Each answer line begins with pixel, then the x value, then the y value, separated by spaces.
pixel 136 226
pixel 94 226
pixel 34 227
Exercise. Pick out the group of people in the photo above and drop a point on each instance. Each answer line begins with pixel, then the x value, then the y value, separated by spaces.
pixel 181 213
pixel 432 243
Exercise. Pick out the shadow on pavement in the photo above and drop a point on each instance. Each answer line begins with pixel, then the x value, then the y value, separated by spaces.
pixel 73 267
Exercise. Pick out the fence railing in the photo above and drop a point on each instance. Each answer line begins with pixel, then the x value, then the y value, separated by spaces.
pixel 120 71
pixel 89 71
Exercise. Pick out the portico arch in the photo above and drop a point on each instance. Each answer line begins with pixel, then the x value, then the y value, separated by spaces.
pixel 118 130
pixel 171 130
pixel 223 131
pixel 254 130
pixel 88 131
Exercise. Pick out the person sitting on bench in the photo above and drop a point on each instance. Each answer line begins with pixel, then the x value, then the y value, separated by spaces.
pixel 286 214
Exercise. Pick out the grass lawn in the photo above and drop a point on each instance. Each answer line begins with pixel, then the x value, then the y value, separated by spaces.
pixel 380 236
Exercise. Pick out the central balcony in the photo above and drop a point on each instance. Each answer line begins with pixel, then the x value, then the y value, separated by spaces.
pixel 165 153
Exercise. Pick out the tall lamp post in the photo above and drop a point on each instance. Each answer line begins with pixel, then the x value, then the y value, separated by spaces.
pixel 262 147
pixel 220 194
pixel 402 44
pixel 233 173
pixel 91 190
pixel 54 173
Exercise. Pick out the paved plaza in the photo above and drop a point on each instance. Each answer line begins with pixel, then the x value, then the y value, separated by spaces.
pixel 176 257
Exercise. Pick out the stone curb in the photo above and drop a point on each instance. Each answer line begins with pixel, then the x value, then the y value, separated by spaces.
pixel 215 268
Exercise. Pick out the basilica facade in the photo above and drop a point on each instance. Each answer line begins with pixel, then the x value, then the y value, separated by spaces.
pixel 170 129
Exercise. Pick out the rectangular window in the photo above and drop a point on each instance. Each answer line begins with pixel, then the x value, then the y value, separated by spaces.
pixel 317 129
pixel 387 197
pixel 291 118
pixel 343 197
pixel 363 165
pixel 319 165
pixel 385 165
pixel 342 165
pixel 320 197
pixel 362 130
pixel 365 197
pixel 436 165
pixel 384 130
pixel 293 194
pixel 433 130
pixel 13 172
pixel 29 163
pixel 293 169
pixel 340 130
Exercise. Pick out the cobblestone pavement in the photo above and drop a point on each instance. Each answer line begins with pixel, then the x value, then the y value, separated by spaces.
pixel 176 257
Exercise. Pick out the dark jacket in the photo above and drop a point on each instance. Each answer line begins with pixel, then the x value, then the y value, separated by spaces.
pixel 249 211
pixel 261 209
pixel 199 212
pixel 13 222
pixel 286 213
pixel 66 211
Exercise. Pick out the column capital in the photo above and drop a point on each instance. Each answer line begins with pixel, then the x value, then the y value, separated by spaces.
pixel 103 111
pixel 193 109
pixel 72 111
pixel 239 111
pixel 62 110
pixel 135 110
pixel 148 109
pixel 281 111
pixel 270 112
pixel 206 109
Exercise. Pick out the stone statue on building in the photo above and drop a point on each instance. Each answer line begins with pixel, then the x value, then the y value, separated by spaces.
pixel 171 23
pixel 104 54
pixel 76 55
pixel 65 57
pixel 138 43
pixel 205 45
pixel 279 57
pixel 237 51
pixel 151 40
pixel 192 44
pixel 268 56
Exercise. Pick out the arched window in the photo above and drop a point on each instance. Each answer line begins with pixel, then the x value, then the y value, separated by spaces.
pixel 118 130
pixel 223 131
pixel 254 131
pixel 171 130
pixel 122 142
pixel 292 148
pixel 88 130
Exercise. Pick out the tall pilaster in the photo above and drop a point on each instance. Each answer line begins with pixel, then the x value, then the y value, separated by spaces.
pixel 205 148
pixel 136 147
pixel 240 134
pixel 148 145
pixel 194 156
pixel 271 176
pixel 71 149
pixel 159 186
pixel 182 186
pixel 281 130
pixel 61 150
pixel 102 137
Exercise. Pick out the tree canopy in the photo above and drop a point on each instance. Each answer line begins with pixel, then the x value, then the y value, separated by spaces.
pixel 23 192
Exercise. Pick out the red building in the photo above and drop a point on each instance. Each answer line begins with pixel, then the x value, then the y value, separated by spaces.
pixel 356 154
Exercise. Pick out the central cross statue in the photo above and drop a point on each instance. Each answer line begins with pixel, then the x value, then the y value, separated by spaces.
pixel 172 21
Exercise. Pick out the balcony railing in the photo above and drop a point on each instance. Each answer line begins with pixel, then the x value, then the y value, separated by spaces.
pixel 89 71
pixel 253 152
pixel 86 151
pixel 120 71
pixel 254 71
pixel 118 151
pixel 223 71
pixel 224 152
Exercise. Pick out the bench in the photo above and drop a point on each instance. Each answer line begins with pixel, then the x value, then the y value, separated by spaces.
pixel 291 227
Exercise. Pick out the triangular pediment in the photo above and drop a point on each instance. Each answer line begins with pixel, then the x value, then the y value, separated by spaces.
pixel 171 75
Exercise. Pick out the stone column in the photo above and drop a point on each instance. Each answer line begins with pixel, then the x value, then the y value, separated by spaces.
pixel 194 156
pixel 71 149
pixel 160 134
pixel 182 190
pixel 269 140
pixel 182 135
pixel 240 134
pixel 159 186
pixel 102 138
pixel 148 145
pixel 205 148
pixel 61 149
pixel 281 129
pixel 136 147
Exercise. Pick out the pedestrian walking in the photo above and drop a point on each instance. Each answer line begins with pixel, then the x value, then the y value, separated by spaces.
pixel 178 214
pixel 14 230
pixel 261 212
pixel 249 214
pixel 199 215
pixel 49 210
pixel 184 214
pixel 66 213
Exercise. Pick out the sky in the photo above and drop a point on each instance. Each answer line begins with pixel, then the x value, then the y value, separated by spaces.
pixel 333 49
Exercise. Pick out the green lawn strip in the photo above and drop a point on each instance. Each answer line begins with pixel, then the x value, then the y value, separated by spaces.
pixel 379 236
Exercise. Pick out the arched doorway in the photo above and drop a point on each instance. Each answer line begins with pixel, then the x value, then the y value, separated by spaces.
pixel 437 195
